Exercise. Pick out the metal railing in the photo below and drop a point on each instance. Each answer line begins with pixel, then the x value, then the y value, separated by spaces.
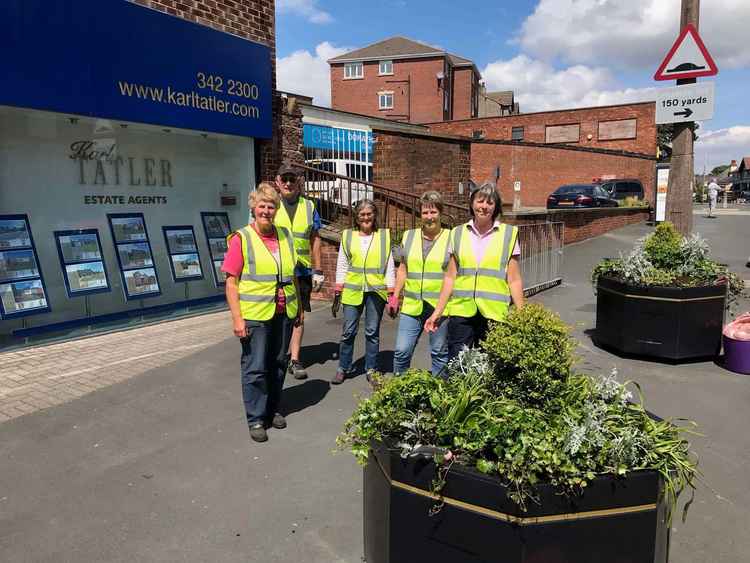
pixel 335 195
pixel 541 255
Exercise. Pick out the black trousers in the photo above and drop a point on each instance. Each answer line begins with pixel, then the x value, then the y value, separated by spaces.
pixel 465 331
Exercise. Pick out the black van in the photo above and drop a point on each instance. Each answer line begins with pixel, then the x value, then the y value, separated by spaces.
pixel 620 189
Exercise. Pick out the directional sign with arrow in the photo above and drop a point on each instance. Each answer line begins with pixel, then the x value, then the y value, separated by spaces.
pixel 688 58
pixel 692 102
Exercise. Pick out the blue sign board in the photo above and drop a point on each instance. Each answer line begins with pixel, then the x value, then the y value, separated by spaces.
pixel 334 138
pixel 114 59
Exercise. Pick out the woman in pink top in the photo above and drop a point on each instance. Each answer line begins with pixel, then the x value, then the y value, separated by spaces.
pixel 265 343
pixel 486 207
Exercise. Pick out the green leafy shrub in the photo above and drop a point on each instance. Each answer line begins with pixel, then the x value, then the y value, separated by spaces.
pixel 667 259
pixel 594 428
pixel 531 352
pixel 632 201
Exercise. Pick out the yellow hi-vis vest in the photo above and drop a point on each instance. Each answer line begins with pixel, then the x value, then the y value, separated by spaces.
pixel 482 286
pixel 424 274
pixel 300 226
pixel 368 266
pixel 261 275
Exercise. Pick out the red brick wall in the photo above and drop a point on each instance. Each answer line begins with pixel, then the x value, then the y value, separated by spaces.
pixel 582 224
pixel 534 125
pixel 542 169
pixel 361 95
pixel 419 163
pixel 462 81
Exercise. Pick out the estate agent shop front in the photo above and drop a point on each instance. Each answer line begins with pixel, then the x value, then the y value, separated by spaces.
pixel 126 154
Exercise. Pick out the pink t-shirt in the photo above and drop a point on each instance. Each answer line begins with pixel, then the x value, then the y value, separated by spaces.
pixel 479 242
pixel 234 262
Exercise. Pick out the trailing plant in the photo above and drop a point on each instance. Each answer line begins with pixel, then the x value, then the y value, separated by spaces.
pixel 667 259
pixel 517 409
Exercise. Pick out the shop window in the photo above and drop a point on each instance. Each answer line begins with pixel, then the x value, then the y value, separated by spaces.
pixel 385 100
pixel 183 253
pixel 359 172
pixel 354 70
pixel 134 255
pixel 84 271
pixel 385 67
pixel 22 289
pixel 217 229
pixel 516 134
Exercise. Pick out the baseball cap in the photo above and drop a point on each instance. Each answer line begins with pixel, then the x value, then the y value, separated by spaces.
pixel 288 167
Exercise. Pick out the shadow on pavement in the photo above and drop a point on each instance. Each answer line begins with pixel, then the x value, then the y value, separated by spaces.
pixel 591 333
pixel 385 363
pixel 319 353
pixel 304 395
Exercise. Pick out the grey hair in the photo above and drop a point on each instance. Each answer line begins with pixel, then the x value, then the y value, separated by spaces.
pixel 487 191
pixel 362 204
pixel 431 198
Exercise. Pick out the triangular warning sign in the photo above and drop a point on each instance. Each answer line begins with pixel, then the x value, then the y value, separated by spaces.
pixel 688 58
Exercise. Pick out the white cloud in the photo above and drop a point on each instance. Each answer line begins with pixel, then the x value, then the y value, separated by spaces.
pixel 306 73
pixel 538 86
pixel 306 8
pixel 721 146
pixel 632 33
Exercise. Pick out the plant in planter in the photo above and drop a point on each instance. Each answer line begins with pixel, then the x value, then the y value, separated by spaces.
pixel 522 452
pixel 665 298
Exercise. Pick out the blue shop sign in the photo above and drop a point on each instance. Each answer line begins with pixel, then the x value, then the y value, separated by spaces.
pixel 334 138
pixel 117 60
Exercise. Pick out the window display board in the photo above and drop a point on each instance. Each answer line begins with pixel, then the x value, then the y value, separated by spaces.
pixel 183 253
pixel 81 260
pixel 134 255
pixel 22 290
pixel 216 226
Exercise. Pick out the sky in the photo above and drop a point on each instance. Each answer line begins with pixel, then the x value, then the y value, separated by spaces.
pixel 554 54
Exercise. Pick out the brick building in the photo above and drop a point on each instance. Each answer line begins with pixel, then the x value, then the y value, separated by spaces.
pixel 547 149
pixel 405 80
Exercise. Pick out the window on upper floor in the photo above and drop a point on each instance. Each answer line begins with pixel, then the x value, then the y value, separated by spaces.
pixel 385 100
pixel 354 70
pixel 516 134
pixel 385 67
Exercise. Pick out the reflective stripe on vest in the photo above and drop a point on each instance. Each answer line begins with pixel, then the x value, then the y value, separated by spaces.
pixel 424 275
pixel 482 286
pixel 300 227
pixel 261 275
pixel 366 268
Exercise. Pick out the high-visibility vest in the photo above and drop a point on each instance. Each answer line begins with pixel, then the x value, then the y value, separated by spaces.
pixel 261 275
pixel 300 227
pixel 368 265
pixel 482 286
pixel 424 274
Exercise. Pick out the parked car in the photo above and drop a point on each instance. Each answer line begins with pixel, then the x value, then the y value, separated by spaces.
pixel 620 189
pixel 580 195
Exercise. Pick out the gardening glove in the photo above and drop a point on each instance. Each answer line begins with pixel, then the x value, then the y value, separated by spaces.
pixel 336 303
pixel 392 305
pixel 317 280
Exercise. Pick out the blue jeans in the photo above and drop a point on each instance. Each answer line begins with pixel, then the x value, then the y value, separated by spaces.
pixel 373 306
pixel 264 362
pixel 409 330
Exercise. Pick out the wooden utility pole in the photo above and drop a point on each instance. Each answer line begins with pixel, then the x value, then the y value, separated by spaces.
pixel 681 173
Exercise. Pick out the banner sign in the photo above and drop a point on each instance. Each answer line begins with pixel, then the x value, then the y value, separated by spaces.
pixel 116 60
pixel 325 137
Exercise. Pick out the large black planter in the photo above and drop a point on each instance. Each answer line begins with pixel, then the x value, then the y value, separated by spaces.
pixel 616 520
pixel 665 322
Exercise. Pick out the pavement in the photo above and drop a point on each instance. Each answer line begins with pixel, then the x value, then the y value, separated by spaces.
pixel 132 446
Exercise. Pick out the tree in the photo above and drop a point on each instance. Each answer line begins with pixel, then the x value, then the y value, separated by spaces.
pixel 717 170
pixel 664 136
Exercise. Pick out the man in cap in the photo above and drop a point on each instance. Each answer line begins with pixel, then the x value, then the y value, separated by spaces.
pixel 298 214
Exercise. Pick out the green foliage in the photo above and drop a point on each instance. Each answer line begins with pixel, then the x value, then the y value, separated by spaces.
pixel 531 352
pixel 546 425
pixel 631 201
pixel 667 259
pixel 717 170
pixel 662 248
